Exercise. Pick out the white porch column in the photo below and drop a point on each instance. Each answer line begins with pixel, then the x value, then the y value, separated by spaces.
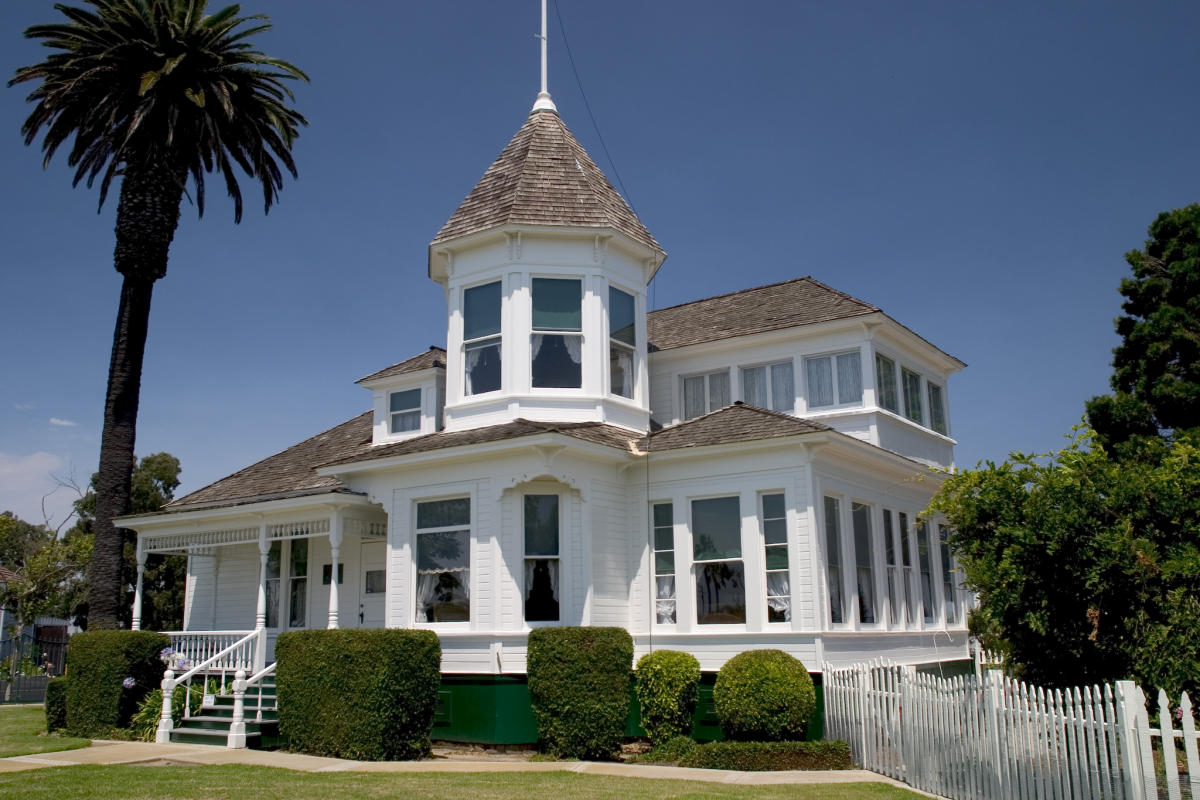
pixel 137 591
pixel 335 545
pixel 264 547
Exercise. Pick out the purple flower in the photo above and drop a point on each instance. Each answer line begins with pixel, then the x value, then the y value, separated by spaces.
pixel 129 683
pixel 1179 713
pixel 166 653
pixel 182 663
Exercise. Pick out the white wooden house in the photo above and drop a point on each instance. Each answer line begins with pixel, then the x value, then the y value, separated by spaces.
pixel 743 471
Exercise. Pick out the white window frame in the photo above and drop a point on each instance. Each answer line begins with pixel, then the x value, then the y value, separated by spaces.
pixel 563 499
pixel 910 568
pixel 848 611
pixel 769 381
pixel 872 564
pixel 920 419
pixel 630 349
pixel 480 342
pixel 834 373
pixel 416 548
pixel 897 391
pixel 707 376
pixel 393 414
pixel 654 553
pixel 693 572
pixel 940 405
pixel 787 554
pixel 579 334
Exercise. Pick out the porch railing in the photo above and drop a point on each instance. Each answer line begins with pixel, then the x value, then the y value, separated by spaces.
pixel 243 653
pixel 242 686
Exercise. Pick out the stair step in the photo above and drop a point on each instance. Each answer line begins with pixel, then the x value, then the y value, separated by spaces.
pixel 250 712
pixel 211 737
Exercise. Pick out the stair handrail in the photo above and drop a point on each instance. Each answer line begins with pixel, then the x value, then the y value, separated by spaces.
pixel 169 682
pixel 237 728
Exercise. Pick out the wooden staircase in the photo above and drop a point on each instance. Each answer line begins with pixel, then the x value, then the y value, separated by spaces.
pixel 211 725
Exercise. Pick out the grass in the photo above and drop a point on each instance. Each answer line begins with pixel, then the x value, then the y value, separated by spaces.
pixel 268 783
pixel 21 733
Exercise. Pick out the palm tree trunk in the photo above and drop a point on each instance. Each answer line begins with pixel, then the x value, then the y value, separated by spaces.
pixel 147 216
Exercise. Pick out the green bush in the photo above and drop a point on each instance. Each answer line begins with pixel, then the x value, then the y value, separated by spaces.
pixel 579 689
pixel 144 723
pixel 766 756
pixel 764 696
pixel 56 704
pixel 98 662
pixel 672 751
pixel 362 694
pixel 668 682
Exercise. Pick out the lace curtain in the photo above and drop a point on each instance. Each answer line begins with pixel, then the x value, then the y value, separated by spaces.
pixel 439 589
pixel 779 594
pixel 665 602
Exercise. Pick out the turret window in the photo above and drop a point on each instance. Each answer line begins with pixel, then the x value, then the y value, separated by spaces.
pixel 481 338
pixel 622 342
pixel 557 343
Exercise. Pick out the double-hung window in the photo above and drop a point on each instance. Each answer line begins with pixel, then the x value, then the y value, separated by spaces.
pixel 779 587
pixel 481 338
pixel 770 386
pixel 298 584
pixel 542 564
pixel 949 595
pixel 910 570
pixel 924 548
pixel 937 407
pixel 622 342
pixel 404 411
pixel 443 534
pixel 557 343
pixel 895 578
pixel 885 383
pixel 833 558
pixel 717 553
pixel 864 556
pixel 912 396
pixel 274 558
pixel 705 393
pixel 834 380
pixel 664 563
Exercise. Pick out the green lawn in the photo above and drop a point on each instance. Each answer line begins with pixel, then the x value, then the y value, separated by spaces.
pixel 265 783
pixel 20 727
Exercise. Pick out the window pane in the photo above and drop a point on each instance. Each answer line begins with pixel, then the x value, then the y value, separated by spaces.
pixel 775 531
pixel 833 557
pixel 299 559
pixel 783 388
pixel 541 524
pixel 327 573
pixel 664 605
pixel 444 513
pixel 664 539
pixel 405 401
pixel 923 546
pixel 541 589
pixel 664 515
pixel 849 369
pixel 483 366
pixel 779 600
pixel 620 317
pixel 693 397
pixel 948 598
pixel 557 361
pixel 912 395
pixel 299 601
pixel 443 551
pixel 716 529
pixel 406 421
pixel 273 602
pixel 754 386
pixel 664 563
pixel 273 558
pixel 885 383
pixel 481 311
pixel 937 408
pixel 444 596
pixel 863 561
pixel 375 581
pixel 773 506
pixel 820 381
pixel 556 304
pixel 777 557
pixel 718 390
pixel 620 370
pixel 720 593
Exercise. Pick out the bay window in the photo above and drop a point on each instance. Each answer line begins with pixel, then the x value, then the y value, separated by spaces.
pixel 443 547
pixel 864 557
pixel 622 342
pixel 404 411
pixel 557 343
pixel 912 396
pixel 834 380
pixel 481 338
pixel 705 393
pixel 885 383
pixel 833 558
pixel 774 528
pixel 717 556
pixel 937 408
pixel 664 563
pixel 542 565
pixel 770 386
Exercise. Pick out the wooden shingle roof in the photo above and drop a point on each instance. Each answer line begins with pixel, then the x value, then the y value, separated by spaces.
pixel 544 177
pixel 433 357
pixel 735 423
pixel 801 301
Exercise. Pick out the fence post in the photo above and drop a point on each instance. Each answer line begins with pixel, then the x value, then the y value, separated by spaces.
pixel 863 673
pixel 165 722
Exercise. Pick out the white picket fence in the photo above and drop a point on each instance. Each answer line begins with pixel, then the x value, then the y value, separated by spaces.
pixel 994 738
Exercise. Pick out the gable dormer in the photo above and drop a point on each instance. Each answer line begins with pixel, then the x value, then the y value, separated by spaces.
pixel 408 397
pixel 545 269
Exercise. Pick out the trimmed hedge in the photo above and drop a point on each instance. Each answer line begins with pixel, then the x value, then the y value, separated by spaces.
pixel 368 695
pixel 764 696
pixel 668 683
pixel 98 662
pixel 767 756
pixel 56 704
pixel 579 689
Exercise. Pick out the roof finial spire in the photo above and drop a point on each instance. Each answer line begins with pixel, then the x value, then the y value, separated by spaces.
pixel 543 102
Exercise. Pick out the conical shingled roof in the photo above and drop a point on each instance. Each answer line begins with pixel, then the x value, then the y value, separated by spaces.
pixel 544 177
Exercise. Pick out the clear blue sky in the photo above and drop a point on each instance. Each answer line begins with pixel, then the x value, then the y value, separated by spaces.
pixel 977 169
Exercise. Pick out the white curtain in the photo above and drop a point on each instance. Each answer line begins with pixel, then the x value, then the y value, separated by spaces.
pixel 536 344
pixel 849 368
pixel 531 565
pixel 621 371
pixel 820 381
pixel 754 386
pixel 574 348
pixel 427 581
pixel 779 593
pixel 665 603
pixel 693 397
pixel 783 388
pixel 718 390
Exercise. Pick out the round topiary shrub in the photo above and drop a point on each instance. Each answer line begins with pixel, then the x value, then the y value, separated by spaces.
pixel 764 696
pixel 668 682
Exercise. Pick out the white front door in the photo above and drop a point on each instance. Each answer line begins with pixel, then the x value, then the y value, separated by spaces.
pixel 372 587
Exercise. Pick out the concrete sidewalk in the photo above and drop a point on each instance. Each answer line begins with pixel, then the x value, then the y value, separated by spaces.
pixel 147 754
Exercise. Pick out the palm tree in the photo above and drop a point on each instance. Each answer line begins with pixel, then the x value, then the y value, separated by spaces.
pixel 155 92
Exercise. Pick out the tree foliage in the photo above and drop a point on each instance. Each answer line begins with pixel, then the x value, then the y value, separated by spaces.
pixel 1156 367
pixel 1086 569
pixel 49 570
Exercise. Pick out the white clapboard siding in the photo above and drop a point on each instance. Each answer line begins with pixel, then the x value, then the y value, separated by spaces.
pixel 989 737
